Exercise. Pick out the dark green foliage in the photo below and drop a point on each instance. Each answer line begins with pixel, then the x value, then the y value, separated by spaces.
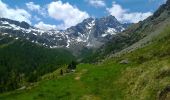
pixel 61 72
pixel 85 52
pixel 72 65
pixel 22 61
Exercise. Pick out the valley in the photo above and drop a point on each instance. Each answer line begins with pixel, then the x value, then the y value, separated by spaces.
pixel 97 59
pixel 144 77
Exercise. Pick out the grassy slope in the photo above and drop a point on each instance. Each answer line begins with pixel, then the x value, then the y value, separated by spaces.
pixel 143 78
pixel 22 61
pixel 134 37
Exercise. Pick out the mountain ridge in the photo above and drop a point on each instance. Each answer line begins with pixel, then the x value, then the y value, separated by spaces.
pixel 98 29
pixel 136 36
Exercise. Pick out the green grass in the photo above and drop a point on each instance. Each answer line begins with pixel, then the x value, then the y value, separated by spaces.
pixel 88 81
pixel 146 75
pixel 101 82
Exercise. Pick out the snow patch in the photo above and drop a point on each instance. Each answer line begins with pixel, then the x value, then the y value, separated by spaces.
pixel 111 31
pixel 4 22
pixel 90 25
pixel 34 34
pixel 16 38
pixel 89 45
pixel 104 35
pixel 68 42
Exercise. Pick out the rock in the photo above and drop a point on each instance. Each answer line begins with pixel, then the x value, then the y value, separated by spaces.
pixel 22 88
pixel 125 61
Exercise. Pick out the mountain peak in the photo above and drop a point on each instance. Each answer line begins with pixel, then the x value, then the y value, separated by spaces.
pixel 22 24
pixel 109 19
pixel 88 19
pixel 91 32
pixel 163 8
pixel 111 16
pixel 168 2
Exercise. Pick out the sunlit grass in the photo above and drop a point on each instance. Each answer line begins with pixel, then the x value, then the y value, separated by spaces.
pixel 146 75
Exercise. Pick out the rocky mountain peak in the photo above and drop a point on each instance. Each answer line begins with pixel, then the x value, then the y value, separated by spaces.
pixel 168 2
pixel 91 32
pixel 17 23
pixel 110 18
pixel 88 20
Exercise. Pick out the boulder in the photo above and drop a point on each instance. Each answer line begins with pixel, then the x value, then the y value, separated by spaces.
pixel 125 61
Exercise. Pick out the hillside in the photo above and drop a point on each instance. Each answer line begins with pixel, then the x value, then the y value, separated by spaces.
pixel 136 36
pixel 22 61
pixel 145 77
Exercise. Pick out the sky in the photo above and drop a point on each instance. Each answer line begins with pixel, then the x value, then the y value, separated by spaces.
pixel 62 14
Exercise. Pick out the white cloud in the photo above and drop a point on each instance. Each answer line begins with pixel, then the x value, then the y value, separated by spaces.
pixel 70 15
pixel 124 15
pixel 46 27
pixel 14 14
pixel 35 7
pixel 32 6
pixel 97 3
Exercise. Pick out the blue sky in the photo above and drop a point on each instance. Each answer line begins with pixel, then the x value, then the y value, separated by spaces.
pixel 61 14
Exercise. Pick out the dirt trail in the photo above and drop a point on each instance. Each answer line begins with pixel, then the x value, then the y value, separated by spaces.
pixel 78 75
